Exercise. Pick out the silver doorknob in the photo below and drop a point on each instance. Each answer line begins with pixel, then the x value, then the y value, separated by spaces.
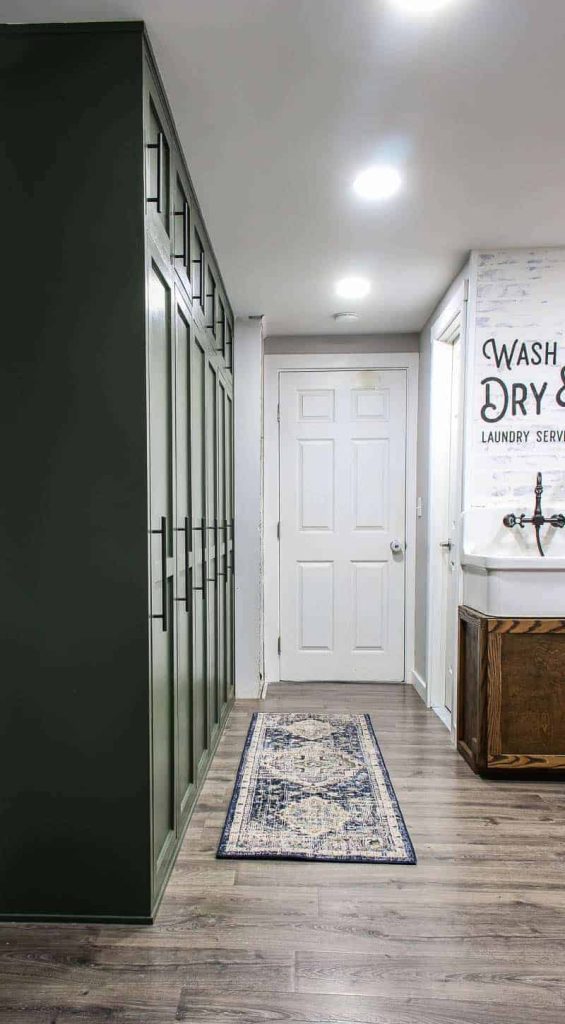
pixel 445 544
pixel 395 546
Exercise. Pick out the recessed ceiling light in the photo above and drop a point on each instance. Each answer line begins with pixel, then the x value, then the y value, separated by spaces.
pixel 422 6
pixel 353 287
pixel 379 182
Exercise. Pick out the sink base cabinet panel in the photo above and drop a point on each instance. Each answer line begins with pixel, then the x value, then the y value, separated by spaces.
pixel 511 702
pixel 116 524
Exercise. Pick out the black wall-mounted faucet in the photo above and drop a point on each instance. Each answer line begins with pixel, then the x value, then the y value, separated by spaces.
pixel 538 519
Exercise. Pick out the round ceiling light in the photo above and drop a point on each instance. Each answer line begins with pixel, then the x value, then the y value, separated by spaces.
pixel 422 6
pixel 380 182
pixel 353 287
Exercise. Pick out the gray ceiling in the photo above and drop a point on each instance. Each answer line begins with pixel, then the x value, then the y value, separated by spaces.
pixel 280 102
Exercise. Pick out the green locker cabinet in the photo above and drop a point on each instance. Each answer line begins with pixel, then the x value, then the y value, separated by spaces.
pixel 116 528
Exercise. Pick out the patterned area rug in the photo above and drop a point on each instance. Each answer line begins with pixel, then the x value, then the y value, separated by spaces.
pixel 314 787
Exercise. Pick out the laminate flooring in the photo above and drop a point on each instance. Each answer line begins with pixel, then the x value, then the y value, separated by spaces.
pixel 473 934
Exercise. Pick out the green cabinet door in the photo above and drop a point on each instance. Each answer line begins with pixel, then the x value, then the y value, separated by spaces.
pixel 160 419
pixel 158 166
pixel 184 569
pixel 229 499
pixel 182 231
pixel 211 517
pixel 221 554
pixel 201 737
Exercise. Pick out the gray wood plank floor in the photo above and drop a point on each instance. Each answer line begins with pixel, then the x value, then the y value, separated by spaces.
pixel 474 934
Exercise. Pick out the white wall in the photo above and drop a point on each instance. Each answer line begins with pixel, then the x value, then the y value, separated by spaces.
pixel 516 396
pixel 514 294
pixel 248 385
pixel 321 344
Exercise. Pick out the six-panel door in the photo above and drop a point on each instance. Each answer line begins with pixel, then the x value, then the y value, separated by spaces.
pixel 342 528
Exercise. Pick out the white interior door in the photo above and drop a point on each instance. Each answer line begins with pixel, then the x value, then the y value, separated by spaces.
pixel 342 524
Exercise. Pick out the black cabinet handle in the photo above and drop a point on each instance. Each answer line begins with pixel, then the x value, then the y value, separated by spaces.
pixel 202 529
pixel 187 539
pixel 185 239
pixel 214 579
pixel 201 274
pixel 163 531
pixel 160 147
pixel 230 563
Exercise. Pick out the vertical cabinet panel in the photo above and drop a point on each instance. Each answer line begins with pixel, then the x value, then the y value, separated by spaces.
pixel 161 565
pixel 158 169
pixel 182 229
pixel 221 553
pixel 230 553
pixel 191 483
pixel 200 547
pixel 183 531
pixel 211 516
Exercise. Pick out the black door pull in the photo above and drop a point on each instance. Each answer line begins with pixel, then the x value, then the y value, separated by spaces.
pixel 163 531
pixel 160 147
pixel 185 240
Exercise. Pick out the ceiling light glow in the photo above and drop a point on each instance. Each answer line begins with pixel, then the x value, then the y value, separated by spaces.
pixel 353 287
pixel 379 182
pixel 422 6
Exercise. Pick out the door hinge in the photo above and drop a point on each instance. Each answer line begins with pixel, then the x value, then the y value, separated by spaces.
pixel 278 413
pixel 278 531
pixel 279 644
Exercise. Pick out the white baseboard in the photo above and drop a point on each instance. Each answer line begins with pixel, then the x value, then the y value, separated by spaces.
pixel 443 714
pixel 419 686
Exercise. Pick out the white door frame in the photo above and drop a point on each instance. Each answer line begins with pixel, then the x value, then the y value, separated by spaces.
pixel 274 365
pixel 449 327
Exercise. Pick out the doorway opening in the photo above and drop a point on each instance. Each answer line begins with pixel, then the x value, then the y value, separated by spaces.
pixel 339 517
pixel 445 500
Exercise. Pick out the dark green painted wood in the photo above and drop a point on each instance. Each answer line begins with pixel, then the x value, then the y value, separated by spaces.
pixel 199 539
pixel 184 556
pixel 74 744
pixel 211 434
pixel 162 567
pixel 104 717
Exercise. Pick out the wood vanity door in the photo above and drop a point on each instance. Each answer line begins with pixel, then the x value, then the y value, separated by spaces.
pixel 526 694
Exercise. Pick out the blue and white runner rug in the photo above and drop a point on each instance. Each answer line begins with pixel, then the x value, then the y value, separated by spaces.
pixel 314 787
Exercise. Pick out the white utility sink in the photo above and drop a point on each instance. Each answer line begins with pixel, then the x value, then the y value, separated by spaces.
pixel 518 586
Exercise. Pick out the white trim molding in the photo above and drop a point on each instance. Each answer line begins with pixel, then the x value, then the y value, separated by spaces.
pixel 274 365
pixel 449 327
pixel 420 686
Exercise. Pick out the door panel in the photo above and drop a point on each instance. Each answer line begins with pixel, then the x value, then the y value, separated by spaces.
pixel 185 767
pixel 162 566
pixel 211 517
pixel 229 549
pixel 221 537
pixel 199 545
pixel 342 502
pixel 158 167
pixel 182 232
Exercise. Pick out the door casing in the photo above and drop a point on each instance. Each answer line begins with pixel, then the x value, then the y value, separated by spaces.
pixel 450 328
pixel 274 365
